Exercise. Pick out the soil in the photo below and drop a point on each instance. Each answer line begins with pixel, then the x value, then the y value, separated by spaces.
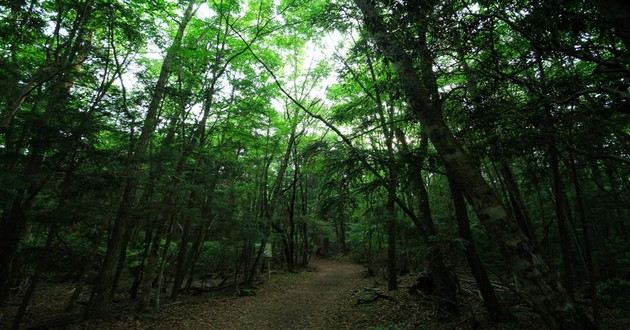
pixel 316 299
pixel 330 294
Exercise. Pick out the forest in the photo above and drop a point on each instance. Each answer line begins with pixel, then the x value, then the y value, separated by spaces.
pixel 320 164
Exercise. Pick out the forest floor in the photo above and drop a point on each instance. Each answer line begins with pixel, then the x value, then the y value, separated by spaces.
pixel 315 299
pixel 329 294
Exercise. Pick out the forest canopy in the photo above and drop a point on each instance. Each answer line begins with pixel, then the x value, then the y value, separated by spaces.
pixel 150 146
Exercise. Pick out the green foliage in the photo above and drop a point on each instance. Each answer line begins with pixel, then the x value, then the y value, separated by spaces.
pixel 232 161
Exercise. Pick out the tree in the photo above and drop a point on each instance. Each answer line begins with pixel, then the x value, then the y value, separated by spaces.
pixel 538 285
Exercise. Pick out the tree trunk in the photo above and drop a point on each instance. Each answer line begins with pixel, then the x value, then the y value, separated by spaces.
pixel 518 205
pixel 195 251
pixel 496 311
pixel 392 269
pixel 444 279
pixel 151 269
pixel 122 259
pixel 148 238
pixel 587 233
pixel 249 279
pixel 342 235
pixel 180 268
pixel 160 279
pixel 562 220
pixel 305 245
pixel 183 254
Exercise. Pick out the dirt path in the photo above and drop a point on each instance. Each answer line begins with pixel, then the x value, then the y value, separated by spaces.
pixel 308 300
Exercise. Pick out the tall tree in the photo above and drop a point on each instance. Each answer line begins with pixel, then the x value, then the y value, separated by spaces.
pixel 537 282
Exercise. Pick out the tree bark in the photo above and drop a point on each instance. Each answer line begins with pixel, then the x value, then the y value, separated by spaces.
pixel 562 220
pixel 182 256
pixel 444 279
pixel 518 205
pixel 390 223
pixel 587 234
pixel 491 302
pixel 195 251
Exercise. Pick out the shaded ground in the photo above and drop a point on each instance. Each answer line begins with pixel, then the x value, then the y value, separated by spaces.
pixel 318 299
pixel 325 297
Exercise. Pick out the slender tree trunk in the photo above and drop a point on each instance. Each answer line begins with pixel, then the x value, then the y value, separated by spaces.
pixel 160 279
pixel 392 267
pixel 153 263
pixel 148 238
pixel 518 205
pixel 444 279
pixel 195 251
pixel 249 280
pixel 587 233
pixel 181 259
pixel 305 245
pixel 304 210
pixel 291 250
pixel 183 254
pixel 618 194
pixel 122 259
pixel 342 235
pixel 491 302
pixel 562 220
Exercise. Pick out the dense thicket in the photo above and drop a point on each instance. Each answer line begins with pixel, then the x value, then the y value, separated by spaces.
pixel 147 147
